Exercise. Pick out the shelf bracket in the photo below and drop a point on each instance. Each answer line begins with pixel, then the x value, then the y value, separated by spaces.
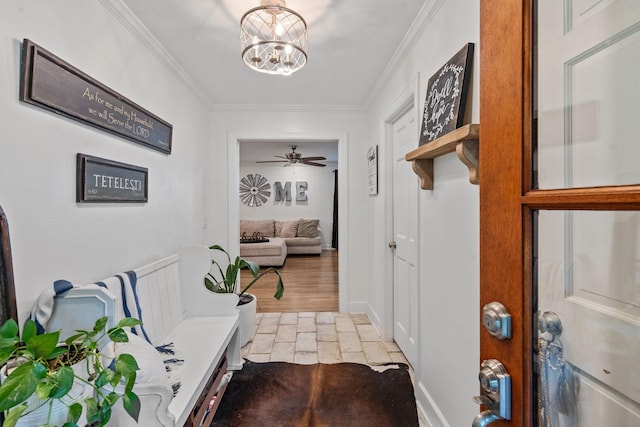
pixel 424 169
pixel 468 153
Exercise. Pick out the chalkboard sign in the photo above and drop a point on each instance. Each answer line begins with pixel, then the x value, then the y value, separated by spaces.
pixel 102 180
pixel 447 96
pixel 50 83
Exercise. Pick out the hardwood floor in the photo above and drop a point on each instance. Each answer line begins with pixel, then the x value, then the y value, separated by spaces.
pixel 310 285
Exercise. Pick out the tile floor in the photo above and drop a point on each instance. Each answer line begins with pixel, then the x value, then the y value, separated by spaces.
pixel 308 338
pixel 319 338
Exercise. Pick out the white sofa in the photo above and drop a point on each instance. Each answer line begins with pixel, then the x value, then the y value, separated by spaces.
pixel 176 308
pixel 285 238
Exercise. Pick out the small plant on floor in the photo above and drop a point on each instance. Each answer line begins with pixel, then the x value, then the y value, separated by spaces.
pixel 223 279
pixel 39 373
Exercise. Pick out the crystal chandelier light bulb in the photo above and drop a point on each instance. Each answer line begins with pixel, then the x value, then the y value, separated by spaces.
pixel 279 30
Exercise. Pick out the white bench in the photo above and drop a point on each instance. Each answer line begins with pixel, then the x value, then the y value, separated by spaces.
pixel 176 308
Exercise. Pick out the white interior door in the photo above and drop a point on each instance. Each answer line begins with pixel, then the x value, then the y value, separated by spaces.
pixel 588 262
pixel 405 232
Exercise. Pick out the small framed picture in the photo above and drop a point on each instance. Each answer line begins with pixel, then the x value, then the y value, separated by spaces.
pixel 372 160
pixel 107 181
pixel 447 96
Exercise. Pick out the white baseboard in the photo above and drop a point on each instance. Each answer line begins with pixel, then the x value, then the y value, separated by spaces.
pixel 428 408
pixel 358 307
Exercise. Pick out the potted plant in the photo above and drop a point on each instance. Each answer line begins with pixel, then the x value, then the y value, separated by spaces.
pixel 42 376
pixel 224 280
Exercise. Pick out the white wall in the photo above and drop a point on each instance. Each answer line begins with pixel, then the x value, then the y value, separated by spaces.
pixel 319 204
pixel 53 237
pixel 446 375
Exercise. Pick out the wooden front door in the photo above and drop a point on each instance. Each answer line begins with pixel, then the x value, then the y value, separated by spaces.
pixel 559 201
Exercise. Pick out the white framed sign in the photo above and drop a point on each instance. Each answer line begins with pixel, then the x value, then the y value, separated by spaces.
pixel 372 159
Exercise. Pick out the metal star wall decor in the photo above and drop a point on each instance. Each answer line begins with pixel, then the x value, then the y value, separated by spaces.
pixel 254 190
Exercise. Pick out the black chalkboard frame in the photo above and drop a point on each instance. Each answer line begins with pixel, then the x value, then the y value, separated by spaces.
pixel 48 82
pixel 446 97
pixel 116 182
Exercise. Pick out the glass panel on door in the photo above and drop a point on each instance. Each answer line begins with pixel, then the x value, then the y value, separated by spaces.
pixel 587 263
pixel 588 338
pixel 587 68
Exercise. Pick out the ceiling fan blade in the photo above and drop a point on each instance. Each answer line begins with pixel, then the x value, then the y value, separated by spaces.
pixel 312 158
pixel 272 161
pixel 281 157
pixel 312 163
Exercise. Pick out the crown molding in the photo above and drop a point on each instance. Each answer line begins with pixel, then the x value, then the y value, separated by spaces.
pixel 288 108
pixel 131 22
pixel 417 28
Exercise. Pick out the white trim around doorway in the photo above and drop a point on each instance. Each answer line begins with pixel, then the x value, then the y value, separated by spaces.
pixel 233 161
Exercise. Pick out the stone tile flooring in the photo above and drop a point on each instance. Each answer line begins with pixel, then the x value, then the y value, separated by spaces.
pixel 311 337
pixel 319 338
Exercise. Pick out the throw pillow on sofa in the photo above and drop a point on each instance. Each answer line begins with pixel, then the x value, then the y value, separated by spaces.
pixel 264 227
pixel 308 228
pixel 286 229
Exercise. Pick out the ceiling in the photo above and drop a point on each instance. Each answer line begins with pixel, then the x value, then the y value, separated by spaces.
pixel 350 44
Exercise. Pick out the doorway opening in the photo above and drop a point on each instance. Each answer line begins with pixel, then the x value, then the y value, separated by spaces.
pixel 312 282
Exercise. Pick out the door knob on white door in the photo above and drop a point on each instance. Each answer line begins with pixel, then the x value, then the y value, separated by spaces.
pixel 393 245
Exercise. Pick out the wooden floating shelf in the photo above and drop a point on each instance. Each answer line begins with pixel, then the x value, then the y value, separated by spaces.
pixel 464 141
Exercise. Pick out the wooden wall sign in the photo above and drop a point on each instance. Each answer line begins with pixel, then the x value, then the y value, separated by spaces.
pixel 447 96
pixel 101 180
pixel 50 83
pixel 8 307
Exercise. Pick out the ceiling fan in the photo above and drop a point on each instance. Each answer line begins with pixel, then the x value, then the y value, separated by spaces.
pixel 293 157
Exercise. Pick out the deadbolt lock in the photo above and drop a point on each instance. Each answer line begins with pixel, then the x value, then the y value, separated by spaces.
pixel 497 320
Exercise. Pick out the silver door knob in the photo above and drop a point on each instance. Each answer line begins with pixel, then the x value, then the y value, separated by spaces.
pixel 393 245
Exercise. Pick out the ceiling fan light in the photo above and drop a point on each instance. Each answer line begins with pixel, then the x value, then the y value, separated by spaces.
pixel 266 31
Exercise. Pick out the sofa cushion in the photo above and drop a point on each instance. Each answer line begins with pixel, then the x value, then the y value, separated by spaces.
pixel 266 227
pixel 303 241
pixel 307 228
pixel 286 228
pixel 274 247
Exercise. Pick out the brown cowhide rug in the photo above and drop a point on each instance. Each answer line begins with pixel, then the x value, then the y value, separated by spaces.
pixel 343 394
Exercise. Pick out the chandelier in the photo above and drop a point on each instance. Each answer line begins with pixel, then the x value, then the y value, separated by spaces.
pixel 273 38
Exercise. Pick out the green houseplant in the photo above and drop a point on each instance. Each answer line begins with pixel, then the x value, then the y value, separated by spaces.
pixel 223 279
pixel 43 373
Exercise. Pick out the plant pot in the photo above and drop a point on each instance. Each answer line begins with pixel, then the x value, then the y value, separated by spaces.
pixel 55 411
pixel 247 318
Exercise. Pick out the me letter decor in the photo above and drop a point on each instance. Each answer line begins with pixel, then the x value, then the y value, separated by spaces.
pixel 447 96
pixel 50 83
pixel 101 180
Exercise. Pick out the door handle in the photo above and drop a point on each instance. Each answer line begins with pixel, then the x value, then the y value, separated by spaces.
pixel 393 245
pixel 495 393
